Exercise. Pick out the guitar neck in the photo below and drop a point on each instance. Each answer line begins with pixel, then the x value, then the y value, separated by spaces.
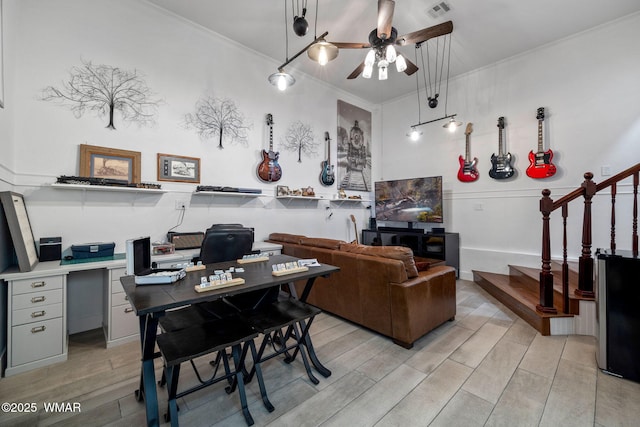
pixel 467 152
pixel 270 137
pixel 540 147
pixel 500 150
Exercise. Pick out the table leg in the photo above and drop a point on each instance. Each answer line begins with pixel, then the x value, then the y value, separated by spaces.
pixel 147 390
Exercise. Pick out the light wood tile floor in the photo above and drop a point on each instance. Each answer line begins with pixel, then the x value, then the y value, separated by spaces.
pixel 486 368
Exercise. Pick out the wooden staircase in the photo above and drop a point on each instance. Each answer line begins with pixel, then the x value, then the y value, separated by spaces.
pixel 550 299
pixel 520 292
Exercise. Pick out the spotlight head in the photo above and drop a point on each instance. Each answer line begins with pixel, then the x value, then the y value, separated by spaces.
pixel 433 101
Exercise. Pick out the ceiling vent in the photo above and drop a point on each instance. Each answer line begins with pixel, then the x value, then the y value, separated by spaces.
pixel 438 9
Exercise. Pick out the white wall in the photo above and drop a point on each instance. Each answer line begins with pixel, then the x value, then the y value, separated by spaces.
pixel 181 62
pixel 589 87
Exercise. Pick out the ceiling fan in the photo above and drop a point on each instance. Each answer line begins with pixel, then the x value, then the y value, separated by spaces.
pixel 383 39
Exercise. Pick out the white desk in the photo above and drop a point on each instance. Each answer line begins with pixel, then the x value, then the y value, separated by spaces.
pixel 38 306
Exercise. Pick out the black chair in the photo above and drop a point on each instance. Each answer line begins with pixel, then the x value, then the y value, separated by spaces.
pixel 216 336
pixel 285 325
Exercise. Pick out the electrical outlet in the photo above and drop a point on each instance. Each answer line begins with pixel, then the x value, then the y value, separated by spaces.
pixel 180 205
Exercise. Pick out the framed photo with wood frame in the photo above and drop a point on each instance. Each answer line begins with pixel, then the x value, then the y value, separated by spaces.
pixel 109 163
pixel 24 244
pixel 178 168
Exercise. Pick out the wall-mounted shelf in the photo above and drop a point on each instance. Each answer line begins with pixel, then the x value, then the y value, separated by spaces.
pixel 83 187
pixel 227 194
pixel 341 202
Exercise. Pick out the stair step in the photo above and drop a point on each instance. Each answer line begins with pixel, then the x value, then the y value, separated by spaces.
pixel 520 293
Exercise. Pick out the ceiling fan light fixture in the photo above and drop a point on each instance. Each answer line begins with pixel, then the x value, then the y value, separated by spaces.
pixel 382 69
pixel 401 64
pixel 368 71
pixel 370 59
pixel 281 80
pixel 322 52
pixel 390 54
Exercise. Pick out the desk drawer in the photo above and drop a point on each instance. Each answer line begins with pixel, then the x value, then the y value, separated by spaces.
pixel 119 299
pixel 124 322
pixel 116 287
pixel 36 341
pixel 37 314
pixel 37 299
pixel 37 285
pixel 117 273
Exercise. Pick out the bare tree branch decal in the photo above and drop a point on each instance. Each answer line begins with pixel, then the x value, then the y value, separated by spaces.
pixel 300 138
pixel 104 89
pixel 221 118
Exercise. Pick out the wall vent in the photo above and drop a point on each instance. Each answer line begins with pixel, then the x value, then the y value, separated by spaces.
pixel 438 9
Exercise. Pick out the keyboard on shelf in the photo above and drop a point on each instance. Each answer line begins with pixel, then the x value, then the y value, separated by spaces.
pixel 228 189
pixel 109 182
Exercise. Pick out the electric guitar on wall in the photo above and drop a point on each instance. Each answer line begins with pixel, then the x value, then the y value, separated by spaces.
pixel 501 164
pixel 327 176
pixel 269 170
pixel 540 163
pixel 468 171
pixel 355 228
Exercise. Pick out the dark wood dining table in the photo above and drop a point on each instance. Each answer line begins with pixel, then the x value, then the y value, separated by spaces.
pixel 151 302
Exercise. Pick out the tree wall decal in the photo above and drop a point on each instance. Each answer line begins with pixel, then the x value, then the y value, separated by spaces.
pixel 104 89
pixel 300 138
pixel 220 118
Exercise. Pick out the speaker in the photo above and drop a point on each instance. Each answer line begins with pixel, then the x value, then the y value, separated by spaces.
pixel 437 230
pixel 50 248
pixel 372 224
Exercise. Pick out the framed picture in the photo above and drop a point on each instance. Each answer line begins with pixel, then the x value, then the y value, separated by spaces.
pixel 109 163
pixel 178 168
pixel 20 228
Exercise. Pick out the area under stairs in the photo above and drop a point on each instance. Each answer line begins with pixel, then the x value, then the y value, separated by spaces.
pixel 520 290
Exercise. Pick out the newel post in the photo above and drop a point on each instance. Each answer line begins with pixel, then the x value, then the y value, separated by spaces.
pixel 546 277
pixel 585 263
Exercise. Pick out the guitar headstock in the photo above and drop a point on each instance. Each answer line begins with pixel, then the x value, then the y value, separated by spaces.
pixel 326 136
pixel 269 119
pixel 500 122
pixel 353 219
pixel 469 129
pixel 540 115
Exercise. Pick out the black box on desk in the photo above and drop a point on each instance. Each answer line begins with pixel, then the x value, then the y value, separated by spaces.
pixel 92 250
pixel 50 248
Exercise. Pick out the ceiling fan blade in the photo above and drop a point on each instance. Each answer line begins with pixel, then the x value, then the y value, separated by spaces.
pixel 355 73
pixel 385 16
pixel 425 34
pixel 347 45
pixel 411 67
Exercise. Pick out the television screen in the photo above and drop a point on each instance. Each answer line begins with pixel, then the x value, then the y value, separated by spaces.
pixel 409 200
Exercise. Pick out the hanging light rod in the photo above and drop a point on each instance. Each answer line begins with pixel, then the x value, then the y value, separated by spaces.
pixel 451 116
pixel 322 36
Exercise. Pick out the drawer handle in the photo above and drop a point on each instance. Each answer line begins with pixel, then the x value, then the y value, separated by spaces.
pixel 38 329
pixel 38 313
pixel 128 310
pixel 38 284
pixel 38 299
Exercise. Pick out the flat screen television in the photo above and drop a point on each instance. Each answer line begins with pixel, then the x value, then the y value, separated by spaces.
pixel 409 200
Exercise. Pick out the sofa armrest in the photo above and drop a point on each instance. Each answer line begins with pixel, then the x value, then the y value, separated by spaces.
pixel 422 303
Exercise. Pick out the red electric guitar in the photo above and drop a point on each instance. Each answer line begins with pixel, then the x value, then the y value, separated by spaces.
pixel 540 163
pixel 269 170
pixel 468 171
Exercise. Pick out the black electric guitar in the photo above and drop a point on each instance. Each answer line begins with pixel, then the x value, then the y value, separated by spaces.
pixel 327 176
pixel 468 171
pixel 269 170
pixel 501 164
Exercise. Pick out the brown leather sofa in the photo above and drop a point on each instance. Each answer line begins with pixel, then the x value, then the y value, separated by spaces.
pixel 378 287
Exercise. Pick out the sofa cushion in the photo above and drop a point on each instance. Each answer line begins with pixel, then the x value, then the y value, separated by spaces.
pixel 287 238
pixel 422 265
pixel 319 242
pixel 393 252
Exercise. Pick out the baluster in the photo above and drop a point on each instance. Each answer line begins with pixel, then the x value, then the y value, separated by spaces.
pixel 565 265
pixel 585 263
pixel 612 244
pixel 546 277
pixel 634 237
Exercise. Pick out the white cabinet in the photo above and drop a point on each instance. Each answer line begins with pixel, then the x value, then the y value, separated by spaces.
pixel 36 319
pixel 121 323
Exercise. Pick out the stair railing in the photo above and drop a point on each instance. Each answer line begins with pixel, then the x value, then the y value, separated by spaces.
pixel 585 263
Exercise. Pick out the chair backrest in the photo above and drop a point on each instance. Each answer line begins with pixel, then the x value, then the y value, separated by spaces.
pixel 225 243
